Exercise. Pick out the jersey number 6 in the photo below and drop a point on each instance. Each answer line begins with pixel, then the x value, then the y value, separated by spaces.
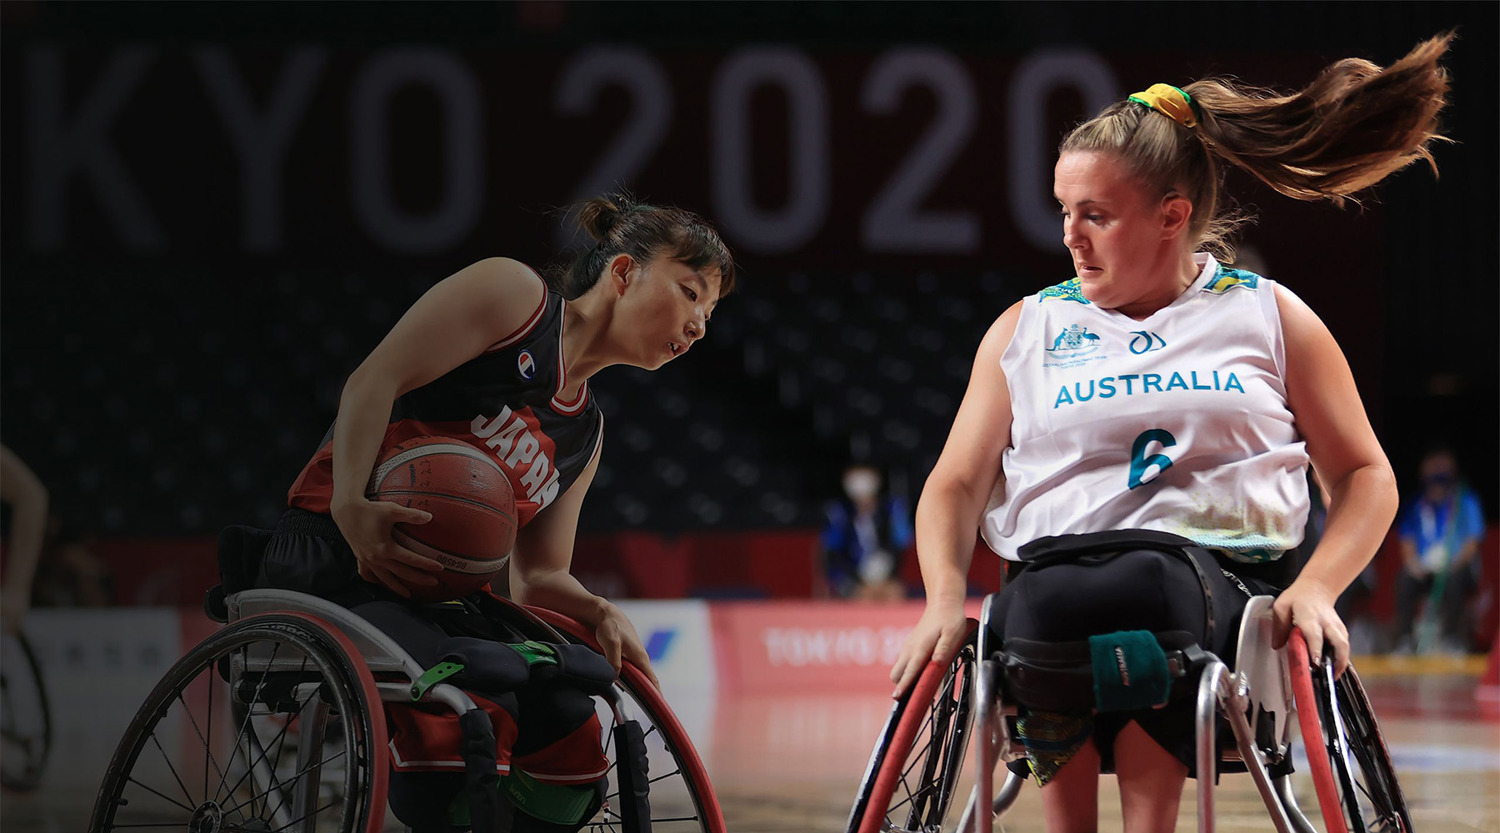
pixel 1139 462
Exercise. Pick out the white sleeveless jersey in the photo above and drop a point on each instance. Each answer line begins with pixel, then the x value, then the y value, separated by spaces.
pixel 1177 423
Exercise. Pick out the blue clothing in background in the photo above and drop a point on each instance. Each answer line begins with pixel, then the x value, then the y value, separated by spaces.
pixel 1427 525
pixel 859 549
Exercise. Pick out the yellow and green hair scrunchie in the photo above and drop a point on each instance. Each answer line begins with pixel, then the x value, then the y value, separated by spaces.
pixel 1170 101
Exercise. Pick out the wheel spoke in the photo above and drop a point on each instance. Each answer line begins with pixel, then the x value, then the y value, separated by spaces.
pixel 260 686
pixel 172 769
pixel 161 795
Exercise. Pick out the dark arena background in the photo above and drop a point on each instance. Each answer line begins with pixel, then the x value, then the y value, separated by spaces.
pixel 213 211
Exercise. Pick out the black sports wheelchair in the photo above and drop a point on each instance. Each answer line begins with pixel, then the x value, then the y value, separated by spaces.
pixel 276 723
pixel 913 776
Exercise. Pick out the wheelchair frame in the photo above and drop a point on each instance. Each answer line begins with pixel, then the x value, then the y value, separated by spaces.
pixel 1255 699
pixel 386 673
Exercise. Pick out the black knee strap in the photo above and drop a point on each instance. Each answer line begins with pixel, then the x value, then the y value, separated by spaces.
pixel 1059 676
pixel 579 667
pixel 486 665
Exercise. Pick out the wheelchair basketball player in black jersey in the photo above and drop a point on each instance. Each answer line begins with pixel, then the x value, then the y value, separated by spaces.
pixel 495 338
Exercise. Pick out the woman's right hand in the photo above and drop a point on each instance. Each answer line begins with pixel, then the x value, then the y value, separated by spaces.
pixel 366 525
pixel 938 633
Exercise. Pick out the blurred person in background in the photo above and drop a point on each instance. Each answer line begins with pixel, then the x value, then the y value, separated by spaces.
pixel 1441 529
pixel 71 573
pixel 864 537
pixel 27 498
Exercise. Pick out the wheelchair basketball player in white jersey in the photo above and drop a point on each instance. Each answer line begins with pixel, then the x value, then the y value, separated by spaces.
pixel 1162 391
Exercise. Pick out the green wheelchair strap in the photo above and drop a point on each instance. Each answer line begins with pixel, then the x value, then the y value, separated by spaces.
pixel 535 653
pixel 562 805
pixel 565 805
pixel 1130 671
pixel 432 677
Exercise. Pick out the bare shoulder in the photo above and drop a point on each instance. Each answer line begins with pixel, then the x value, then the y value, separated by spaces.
pixel 1299 324
pixel 504 276
pixel 1000 333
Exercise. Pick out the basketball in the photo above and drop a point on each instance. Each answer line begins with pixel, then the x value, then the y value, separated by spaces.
pixel 473 509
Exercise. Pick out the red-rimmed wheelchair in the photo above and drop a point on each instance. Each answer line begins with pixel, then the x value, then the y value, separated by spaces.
pixel 275 723
pixel 965 706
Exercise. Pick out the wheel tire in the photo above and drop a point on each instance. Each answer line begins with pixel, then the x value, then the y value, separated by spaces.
pixel 25 716
pixel 180 711
pixel 939 707
pixel 644 701
pixel 1354 778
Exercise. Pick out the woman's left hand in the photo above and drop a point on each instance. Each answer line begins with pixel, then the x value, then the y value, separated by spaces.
pixel 622 644
pixel 1308 606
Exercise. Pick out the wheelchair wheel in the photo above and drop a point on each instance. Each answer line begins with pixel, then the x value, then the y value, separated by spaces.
pixel 271 724
pixel 912 777
pixel 681 796
pixel 25 716
pixel 1354 778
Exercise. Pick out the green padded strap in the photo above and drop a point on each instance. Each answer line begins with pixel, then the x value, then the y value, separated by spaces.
pixel 433 676
pixel 566 805
pixel 535 653
pixel 1130 671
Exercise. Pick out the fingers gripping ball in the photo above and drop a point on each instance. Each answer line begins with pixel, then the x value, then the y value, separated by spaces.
pixel 472 504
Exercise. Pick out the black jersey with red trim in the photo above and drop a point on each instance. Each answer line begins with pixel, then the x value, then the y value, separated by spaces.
pixel 506 402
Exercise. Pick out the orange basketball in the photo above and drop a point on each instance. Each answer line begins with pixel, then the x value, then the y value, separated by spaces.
pixel 473 509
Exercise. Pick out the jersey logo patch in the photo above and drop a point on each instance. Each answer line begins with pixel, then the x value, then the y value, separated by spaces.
pixel 1075 345
pixel 1226 279
pixel 1075 338
pixel 1070 290
pixel 526 364
pixel 1145 341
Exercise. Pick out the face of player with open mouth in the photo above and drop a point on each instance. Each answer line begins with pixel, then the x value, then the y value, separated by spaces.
pixel 666 310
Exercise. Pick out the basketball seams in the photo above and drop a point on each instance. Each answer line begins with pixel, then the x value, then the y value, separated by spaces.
pixel 474 518
pixel 384 469
pixel 389 493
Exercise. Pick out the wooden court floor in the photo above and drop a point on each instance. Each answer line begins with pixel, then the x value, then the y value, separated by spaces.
pixel 792 764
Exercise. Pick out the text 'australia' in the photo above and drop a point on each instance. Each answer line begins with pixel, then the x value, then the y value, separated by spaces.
pixel 1130 384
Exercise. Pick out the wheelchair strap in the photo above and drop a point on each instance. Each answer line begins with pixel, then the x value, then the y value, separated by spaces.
pixel 1059 676
pixel 1059 549
pixel 579 667
pixel 566 805
pixel 486 665
pixel 480 784
pixel 1130 671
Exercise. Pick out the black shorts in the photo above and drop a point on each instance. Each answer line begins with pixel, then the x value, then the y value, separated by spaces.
pixel 1129 588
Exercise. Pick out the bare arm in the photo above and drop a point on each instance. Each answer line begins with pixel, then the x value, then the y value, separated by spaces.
pixel 1348 459
pixel 452 323
pixel 1410 559
pixel 540 576
pixel 953 501
pixel 1466 553
pixel 23 490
